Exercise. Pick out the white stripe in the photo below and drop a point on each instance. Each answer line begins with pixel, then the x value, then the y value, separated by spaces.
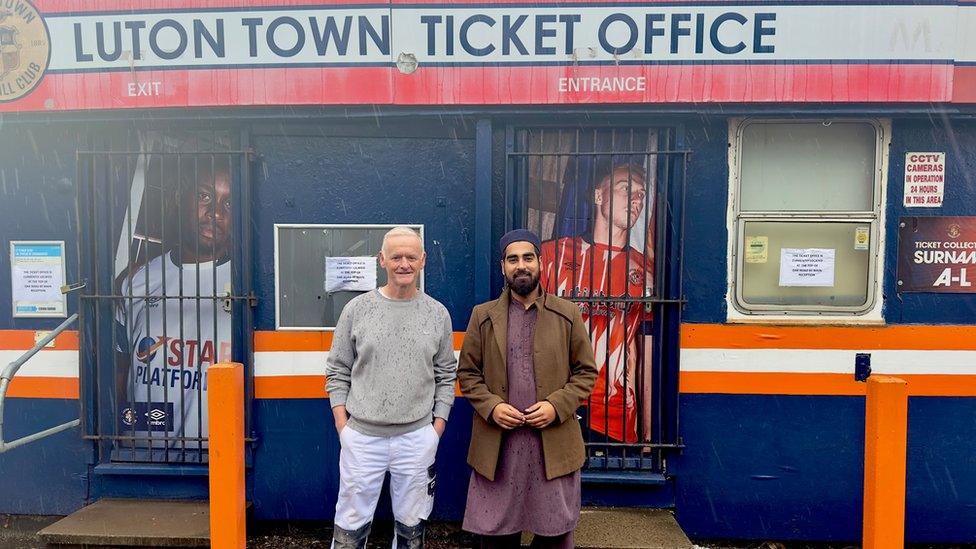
pixel 46 363
pixel 51 363
pixel 290 363
pixel 293 363
pixel 827 361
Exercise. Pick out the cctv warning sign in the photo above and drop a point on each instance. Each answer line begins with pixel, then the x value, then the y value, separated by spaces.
pixel 924 179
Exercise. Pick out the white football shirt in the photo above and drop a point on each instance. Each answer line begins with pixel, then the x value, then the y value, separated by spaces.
pixel 172 342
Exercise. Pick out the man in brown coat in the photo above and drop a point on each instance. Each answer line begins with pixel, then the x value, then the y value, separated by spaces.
pixel 525 366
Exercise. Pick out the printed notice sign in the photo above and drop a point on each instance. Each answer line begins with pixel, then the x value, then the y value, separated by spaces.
pixel 36 276
pixel 924 179
pixel 352 274
pixel 806 267
pixel 862 238
pixel 757 249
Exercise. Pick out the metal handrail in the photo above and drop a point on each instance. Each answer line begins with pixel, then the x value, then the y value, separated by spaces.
pixel 8 374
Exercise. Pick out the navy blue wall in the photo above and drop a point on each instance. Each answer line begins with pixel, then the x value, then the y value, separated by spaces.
pixel 37 201
pixel 770 467
pixel 958 141
pixel 361 179
pixel 296 466
pixel 706 202
pixel 355 177
pixel 47 477
pixel 791 467
pixel 37 170
pixel 941 491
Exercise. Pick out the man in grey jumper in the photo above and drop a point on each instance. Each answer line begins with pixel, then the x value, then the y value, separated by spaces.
pixel 391 373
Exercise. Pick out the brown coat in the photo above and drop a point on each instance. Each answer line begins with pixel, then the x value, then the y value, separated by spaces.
pixel 565 372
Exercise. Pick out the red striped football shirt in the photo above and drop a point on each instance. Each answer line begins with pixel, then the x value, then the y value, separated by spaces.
pixel 571 266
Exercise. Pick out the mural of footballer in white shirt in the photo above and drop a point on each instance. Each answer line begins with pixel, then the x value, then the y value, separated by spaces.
pixel 172 343
pixel 168 343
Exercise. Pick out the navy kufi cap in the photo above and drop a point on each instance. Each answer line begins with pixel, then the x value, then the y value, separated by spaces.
pixel 519 235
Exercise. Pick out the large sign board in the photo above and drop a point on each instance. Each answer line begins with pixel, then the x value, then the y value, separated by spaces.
pixel 186 53
pixel 937 254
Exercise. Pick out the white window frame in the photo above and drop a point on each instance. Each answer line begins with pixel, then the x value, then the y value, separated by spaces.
pixel 321 226
pixel 871 312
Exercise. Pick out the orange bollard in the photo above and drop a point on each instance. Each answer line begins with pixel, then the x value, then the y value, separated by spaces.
pixel 885 454
pixel 225 408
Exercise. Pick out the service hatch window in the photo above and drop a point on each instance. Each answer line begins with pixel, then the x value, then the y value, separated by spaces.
pixel 321 268
pixel 807 216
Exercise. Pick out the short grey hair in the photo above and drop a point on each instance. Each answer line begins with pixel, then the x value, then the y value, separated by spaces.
pixel 402 231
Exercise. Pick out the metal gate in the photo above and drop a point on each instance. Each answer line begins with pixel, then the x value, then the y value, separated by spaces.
pixel 165 262
pixel 608 204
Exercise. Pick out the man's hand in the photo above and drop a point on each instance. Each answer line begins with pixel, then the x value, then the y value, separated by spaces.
pixel 439 426
pixel 340 415
pixel 507 416
pixel 540 414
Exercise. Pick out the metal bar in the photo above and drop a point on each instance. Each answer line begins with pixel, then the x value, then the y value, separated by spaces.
pixel 199 325
pixel 638 445
pixel 123 437
pixel 11 368
pixel 611 153
pixel 142 437
pixel 165 303
pixel 160 153
pixel 179 271
pixel 4 446
pixel 127 304
pixel 482 211
pixel 247 310
pixel 184 297
pixel 215 208
pixel 92 337
pixel 144 211
pixel 625 291
pixel 118 306
pixel 10 371
pixel 83 388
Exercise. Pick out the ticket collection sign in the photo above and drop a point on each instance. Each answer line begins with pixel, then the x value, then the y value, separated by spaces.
pixel 65 55
pixel 937 254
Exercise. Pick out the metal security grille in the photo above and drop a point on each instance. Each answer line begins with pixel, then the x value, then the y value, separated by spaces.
pixel 607 204
pixel 166 266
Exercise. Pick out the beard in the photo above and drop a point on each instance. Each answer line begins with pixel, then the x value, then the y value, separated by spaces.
pixel 523 285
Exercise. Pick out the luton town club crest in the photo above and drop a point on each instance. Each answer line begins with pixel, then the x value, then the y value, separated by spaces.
pixel 25 48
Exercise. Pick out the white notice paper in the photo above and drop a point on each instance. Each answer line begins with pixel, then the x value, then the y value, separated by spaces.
pixel 806 267
pixel 351 274
pixel 37 273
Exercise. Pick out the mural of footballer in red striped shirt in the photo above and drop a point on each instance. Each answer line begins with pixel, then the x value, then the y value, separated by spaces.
pixel 601 246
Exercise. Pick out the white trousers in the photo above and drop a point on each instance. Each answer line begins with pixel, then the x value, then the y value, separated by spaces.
pixel 363 463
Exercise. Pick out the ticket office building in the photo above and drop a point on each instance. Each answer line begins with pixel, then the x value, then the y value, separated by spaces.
pixel 749 424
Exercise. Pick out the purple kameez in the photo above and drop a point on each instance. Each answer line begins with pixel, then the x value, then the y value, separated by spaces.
pixel 520 498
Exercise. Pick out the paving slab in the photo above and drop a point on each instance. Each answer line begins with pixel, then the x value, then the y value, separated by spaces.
pixel 134 522
pixel 628 528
